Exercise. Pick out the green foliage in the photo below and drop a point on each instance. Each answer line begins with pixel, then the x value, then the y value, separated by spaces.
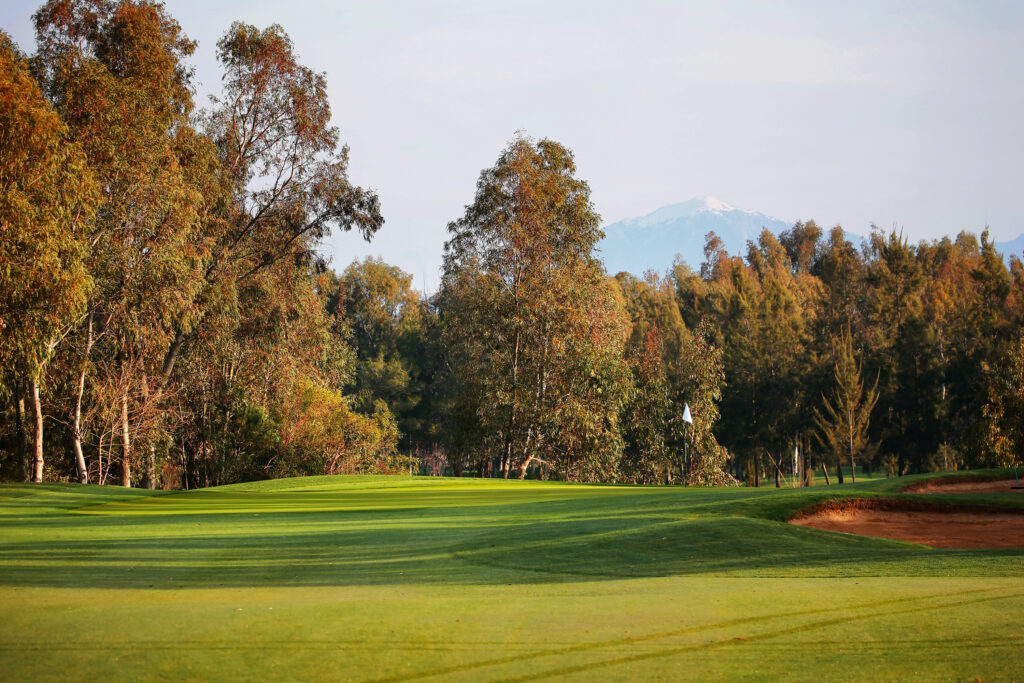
pixel 165 313
pixel 842 428
pixel 180 315
pixel 48 198
pixel 390 324
pixel 933 322
pixel 647 415
pixel 321 434
pixel 534 333
pixel 672 367
pixel 1002 431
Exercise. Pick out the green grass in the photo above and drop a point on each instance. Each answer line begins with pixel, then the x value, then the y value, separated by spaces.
pixel 400 578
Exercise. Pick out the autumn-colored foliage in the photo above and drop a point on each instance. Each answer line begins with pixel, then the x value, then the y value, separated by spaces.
pixel 167 319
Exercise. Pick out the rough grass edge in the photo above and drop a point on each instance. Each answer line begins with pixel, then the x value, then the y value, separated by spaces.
pixel 901 505
pixel 954 479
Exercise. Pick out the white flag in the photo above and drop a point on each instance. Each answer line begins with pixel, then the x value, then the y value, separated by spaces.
pixel 686 413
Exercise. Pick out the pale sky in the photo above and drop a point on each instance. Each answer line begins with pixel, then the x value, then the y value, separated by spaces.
pixel 901 114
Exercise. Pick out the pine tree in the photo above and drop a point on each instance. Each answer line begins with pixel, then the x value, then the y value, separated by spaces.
pixel 843 426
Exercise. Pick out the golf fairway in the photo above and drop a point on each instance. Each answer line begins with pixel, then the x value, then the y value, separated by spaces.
pixel 399 578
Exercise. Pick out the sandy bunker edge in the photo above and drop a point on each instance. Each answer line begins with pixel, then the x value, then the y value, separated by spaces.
pixel 940 525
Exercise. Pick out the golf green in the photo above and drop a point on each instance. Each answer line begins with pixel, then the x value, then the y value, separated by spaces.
pixel 401 578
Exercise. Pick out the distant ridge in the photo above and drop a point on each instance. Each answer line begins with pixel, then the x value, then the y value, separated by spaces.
pixel 651 242
pixel 647 242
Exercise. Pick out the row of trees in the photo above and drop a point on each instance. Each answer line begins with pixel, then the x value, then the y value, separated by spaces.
pixel 166 319
pixel 552 363
pixel 162 306
pixel 808 354
pixel 896 356
pixel 530 359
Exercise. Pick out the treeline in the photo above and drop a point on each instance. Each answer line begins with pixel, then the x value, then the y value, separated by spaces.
pixel 896 356
pixel 166 319
pixel 163 309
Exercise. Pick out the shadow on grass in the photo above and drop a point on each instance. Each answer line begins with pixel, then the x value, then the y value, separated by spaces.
pixel 60 537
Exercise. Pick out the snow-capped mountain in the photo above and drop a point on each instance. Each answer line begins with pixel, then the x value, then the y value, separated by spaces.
pixel 652 241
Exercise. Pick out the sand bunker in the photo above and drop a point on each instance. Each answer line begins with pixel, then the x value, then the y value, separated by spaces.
pixel 965 485
pixel 934 525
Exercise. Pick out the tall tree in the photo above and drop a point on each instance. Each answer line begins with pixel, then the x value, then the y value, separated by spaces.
pixel 674 366
pixel 388 321
pixel 285 170
pixel 537 335
pixel 647 414
pixel 47 200
pixel 842 426
pixel 116 73
pixel 1002 423
pixel 901 342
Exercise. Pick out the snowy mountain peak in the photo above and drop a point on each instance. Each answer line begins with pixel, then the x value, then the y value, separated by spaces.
pixel 651 241
pixel 691 208
pixel 715 205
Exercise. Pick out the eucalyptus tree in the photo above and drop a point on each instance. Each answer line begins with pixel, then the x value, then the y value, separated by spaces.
pixel 116 73
pixel 195 207
pixel 48 198
pixel 673 366
pixel 536 333
pixel 283 166
pixel 900 346
pixel 389 324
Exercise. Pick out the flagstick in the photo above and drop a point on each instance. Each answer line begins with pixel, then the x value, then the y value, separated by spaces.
pixel 687 418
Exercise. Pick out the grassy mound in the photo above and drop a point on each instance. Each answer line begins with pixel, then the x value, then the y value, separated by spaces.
pixel 402 578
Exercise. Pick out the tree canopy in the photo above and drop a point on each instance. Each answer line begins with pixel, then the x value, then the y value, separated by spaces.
pixel 168 317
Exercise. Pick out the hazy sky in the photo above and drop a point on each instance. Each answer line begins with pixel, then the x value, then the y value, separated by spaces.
pixel 894 113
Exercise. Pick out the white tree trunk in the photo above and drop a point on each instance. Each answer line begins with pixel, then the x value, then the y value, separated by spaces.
pixel 126 480
pixel 37 465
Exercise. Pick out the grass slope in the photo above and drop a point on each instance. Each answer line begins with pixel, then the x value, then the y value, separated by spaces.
pixel 401 578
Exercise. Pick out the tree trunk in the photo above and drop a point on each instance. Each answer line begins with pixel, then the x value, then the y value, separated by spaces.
pixel 172 355
pixel 151 468
pixel 824 470
pixel 522 468
pixel 76 432
pixel 149 479
pixel 839 469
pixel 19 410
pixel 853 463
pixel 506 464
pixel 778 470
pixel 126 471
pixel 99 459
pixel 76 428
pixel 806 464
pixel 37 464
pixel 76 441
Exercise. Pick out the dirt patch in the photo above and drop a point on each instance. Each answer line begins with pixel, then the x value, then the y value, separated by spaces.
pixel 940 526
pixel 964 485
